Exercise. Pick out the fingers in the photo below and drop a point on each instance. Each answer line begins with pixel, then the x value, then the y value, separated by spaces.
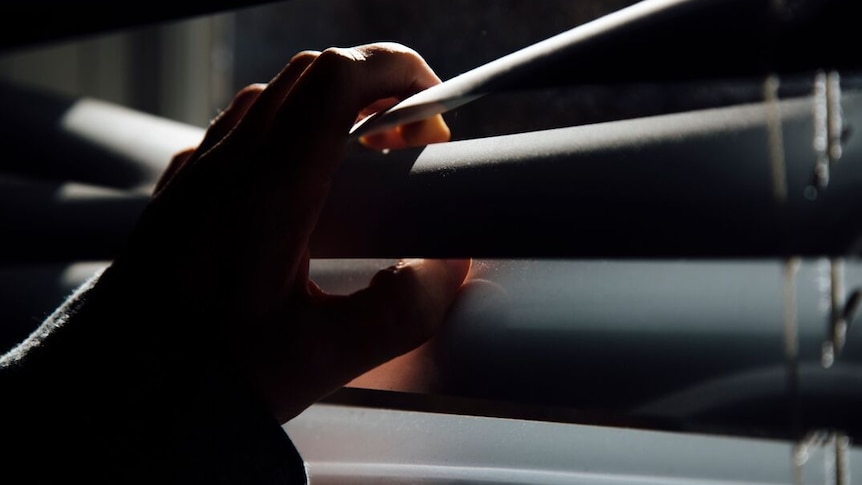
pixel 403 306
pixel 237 111
pixel 420 133
pixel 335 339
pixel 228 119
pixel 308 138
pixel 219 128
pixel 427 131
pixel 239 129
pixel 332 92
pixel 258 118
pixel 174 167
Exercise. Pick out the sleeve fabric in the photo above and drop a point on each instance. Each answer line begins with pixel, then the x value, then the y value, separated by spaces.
pixel 83 403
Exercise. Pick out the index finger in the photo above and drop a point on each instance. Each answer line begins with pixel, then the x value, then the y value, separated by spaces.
pixel 325 102
pixel 309 135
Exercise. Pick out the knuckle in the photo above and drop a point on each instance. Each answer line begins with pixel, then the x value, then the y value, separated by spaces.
pixel 182 155
pixel 250 91
pixel 393 48
pixel 392 51
pixel 336 65
pixel 340 57
pixel 409 279
pixel 401 282
pixel 406 319
pixel 304 56
pixel 386 277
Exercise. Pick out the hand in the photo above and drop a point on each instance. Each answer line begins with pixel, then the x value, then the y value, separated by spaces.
pixel 222 249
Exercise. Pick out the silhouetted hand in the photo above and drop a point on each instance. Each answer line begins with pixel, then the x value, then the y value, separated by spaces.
pixel 222 250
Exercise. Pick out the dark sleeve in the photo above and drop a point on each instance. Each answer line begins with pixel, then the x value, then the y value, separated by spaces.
pixel 82 403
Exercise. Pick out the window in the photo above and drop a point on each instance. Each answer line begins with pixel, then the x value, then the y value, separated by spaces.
pixel 647 276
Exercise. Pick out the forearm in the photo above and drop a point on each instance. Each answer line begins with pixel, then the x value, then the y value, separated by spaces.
pixel 81 399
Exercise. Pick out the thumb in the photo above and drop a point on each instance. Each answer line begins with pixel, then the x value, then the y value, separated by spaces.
pixel 404 306
pixel 338 338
